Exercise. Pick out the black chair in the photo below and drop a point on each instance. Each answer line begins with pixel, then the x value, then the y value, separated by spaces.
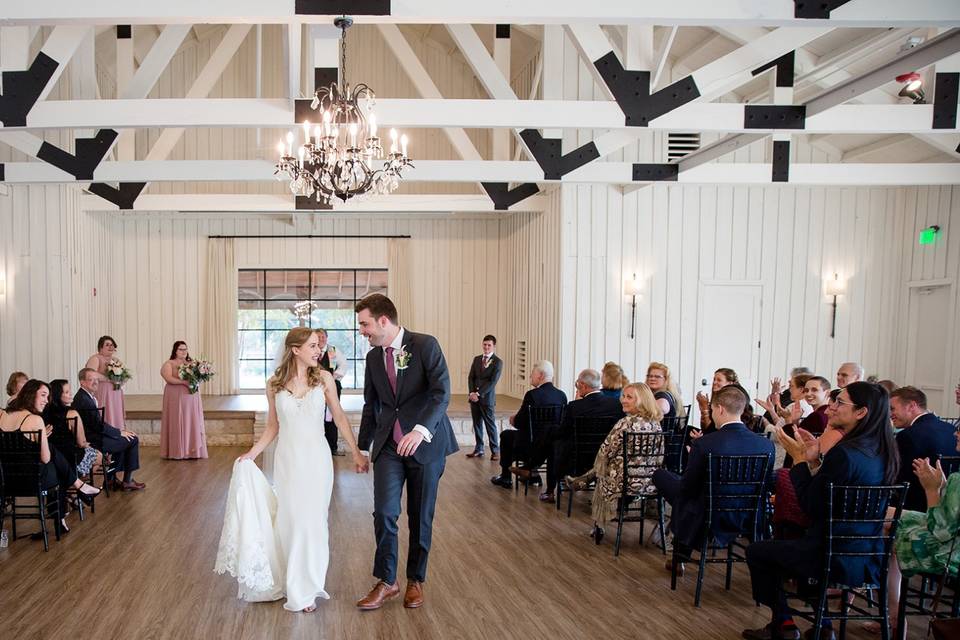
pixel 949 464
pixel 736 485
pixel 675 436
pixel 543 422
pixel 588 434
pixel 757 425
pixel 954 421
pixel 21 476
pixel 642 455
pixel 63 438
pixel 851 508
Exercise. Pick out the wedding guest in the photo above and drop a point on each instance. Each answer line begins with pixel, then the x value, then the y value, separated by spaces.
pixel 642 416
pixel 816 393
pixel 25 414
pixel 334 361
pixel 850 372
pixel 664 389
pixel 721 378
pixel 923 436
pixel 14 383
pixel 612 380
pixel 123 445
pixel 181 419
pixel 482 383
pixel 57 414
pixel 108 397
pixel 796 371
pixel 889 385
pixel 589 403
pixel 517 445
pixel 866 455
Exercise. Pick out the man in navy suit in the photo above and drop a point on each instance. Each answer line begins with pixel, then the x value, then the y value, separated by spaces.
pixel 687 494
pixel 404 425
pixel 516 445
pixel 482 382
pixel 923 435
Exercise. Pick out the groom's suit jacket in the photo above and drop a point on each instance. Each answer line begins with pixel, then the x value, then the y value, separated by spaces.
pixel 423 393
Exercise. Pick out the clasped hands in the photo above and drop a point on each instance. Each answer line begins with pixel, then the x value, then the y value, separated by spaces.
pixel 806 447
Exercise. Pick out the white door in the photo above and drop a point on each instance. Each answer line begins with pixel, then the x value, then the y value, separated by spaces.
pixel 728 333
pixel 926 345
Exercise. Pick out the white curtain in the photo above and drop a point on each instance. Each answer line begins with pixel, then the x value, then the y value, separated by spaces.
pixel 398 278
pixel 220 316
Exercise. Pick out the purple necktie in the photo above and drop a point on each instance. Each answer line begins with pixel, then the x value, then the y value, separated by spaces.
pixel 392 377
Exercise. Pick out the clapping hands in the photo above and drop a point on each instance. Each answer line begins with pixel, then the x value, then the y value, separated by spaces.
pixel 804 446
pixel 931 478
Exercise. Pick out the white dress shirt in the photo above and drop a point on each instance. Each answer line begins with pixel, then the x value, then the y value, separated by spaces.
pixel 397 344
pixel 341 362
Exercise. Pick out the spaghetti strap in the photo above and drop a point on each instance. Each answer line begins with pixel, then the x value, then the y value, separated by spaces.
pixel 24 420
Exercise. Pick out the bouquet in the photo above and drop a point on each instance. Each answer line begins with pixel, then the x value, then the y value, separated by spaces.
pixel 117 373
pixel 196 371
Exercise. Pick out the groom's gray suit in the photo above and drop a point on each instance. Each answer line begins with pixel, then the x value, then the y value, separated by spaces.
pixel 421 398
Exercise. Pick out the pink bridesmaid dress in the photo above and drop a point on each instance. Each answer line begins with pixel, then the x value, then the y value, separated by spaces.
pixel 181 424
pixel 109 398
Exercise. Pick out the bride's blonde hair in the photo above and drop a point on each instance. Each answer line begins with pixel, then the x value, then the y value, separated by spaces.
pixel 288 367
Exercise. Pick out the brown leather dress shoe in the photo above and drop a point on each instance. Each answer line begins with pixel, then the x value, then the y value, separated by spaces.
pixel 494 456
pixel 475 454
pixel 521 473
pixel 133 486
pixel 380 593
pixel 413 598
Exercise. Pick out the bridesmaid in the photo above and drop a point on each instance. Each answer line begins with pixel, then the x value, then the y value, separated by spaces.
pixel 181 423
pixel 107 397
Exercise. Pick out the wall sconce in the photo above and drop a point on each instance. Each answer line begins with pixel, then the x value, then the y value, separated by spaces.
pixel 834 287
pixel 631 287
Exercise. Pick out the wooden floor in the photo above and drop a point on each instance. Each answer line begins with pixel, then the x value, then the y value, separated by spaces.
pixel 502 566
pixel 147 407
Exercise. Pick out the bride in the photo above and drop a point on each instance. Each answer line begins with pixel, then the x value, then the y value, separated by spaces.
pixel 297 543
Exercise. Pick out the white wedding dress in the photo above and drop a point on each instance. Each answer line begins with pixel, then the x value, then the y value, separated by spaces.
pixel 275 541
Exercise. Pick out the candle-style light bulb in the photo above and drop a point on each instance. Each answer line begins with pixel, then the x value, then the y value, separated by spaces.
pixel 393 140
pixel 281 148
pixel 316 133
pixel 403 145
pixel 300 153
pixel 306 130
pixel 353 134
pixel 289 143
pixel 373 126
pixel 326 122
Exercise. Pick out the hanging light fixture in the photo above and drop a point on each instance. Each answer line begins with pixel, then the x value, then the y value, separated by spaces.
pixel 337 153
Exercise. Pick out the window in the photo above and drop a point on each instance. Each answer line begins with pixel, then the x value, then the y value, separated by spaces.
pixel 266 298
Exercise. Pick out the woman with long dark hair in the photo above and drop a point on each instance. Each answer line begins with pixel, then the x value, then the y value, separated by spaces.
pixel 181 419
pixel 57 415
pixel 866 455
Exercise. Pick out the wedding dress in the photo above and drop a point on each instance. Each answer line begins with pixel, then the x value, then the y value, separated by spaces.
pixel 275 541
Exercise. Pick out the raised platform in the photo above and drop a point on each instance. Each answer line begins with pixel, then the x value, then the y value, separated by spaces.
pixel 238 419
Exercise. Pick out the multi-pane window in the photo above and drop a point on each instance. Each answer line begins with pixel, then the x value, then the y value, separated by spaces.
pixel 266 300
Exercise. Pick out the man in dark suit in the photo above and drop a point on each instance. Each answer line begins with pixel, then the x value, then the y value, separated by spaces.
pixel 687 494
pixel 923 435
pixel 516 444
pixel 590 403
pixel 333 360
pixel 482 382
pixel 404 425
pixel 123 446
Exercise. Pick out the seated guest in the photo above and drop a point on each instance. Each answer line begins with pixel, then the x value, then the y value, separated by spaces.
pixel 25 413
pixel 866 455
pixel 643 416
pixel 664 389
pixel 721 378
pixel 14 383
pixel 58 412
pixel 613 380
pixel 785 396
pixel 816 392
pixel 850 372
pixel 687 494
pixel 889 385
pixel 589 403
pixel 924 541
pixel 515 444
pixel 122 445
pixel 923 436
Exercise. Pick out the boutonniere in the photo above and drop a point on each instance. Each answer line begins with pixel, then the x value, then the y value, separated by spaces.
pixel 401 359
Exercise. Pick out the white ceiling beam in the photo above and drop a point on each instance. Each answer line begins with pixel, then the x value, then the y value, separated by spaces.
pixel 14 49
pixel 480 61
pixel 882 145
pixel 156 60
pixel 947 143
pixel 203 84
pixel 468 171
pixel 804 60
pixel 126 143
pixel 267 203
pixel 61 45
pixel 450 113
pixel 551 74
pixel 82 73
pixel 662 58
pixel 292 39
pixel 500 138
pixel 856 13
pixel 425 86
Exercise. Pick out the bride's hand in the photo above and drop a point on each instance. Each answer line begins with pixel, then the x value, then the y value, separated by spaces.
pixel 249 455
pixel 361 462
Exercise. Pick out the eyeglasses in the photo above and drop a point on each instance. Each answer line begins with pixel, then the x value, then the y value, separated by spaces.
pixel 655 376
pixel 837 400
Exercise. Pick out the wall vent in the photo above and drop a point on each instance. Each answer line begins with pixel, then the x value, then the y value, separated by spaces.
pixel 681 144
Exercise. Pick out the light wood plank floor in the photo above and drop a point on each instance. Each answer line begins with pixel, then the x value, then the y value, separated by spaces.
pixel 502 566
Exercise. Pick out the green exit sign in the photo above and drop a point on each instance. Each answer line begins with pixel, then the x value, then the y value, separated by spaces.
pixel 929 235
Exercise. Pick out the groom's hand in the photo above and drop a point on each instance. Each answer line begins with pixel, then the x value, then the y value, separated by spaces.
pixel 408 444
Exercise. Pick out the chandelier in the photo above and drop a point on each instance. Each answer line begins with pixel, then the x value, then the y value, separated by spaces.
pixel 337 153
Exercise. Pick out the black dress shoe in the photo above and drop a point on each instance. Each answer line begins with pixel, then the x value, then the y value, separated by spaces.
pixel 773 631
pixel 597 534
pixel 500 481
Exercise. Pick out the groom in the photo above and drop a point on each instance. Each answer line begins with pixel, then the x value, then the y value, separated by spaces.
pixel 406 390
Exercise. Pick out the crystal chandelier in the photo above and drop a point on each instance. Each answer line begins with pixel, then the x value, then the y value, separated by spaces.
pixel 337 153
